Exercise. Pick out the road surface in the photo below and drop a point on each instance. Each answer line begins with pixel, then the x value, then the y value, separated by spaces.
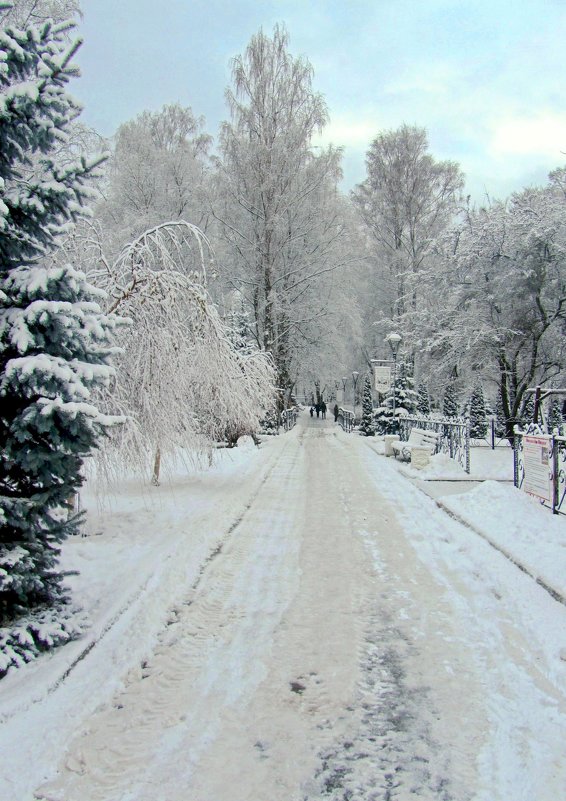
pixel 347 640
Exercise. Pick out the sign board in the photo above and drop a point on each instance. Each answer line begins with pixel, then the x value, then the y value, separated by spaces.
pixel 382 376
pixel 538 473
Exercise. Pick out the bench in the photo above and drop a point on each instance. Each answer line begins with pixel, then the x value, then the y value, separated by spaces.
pixel 425 441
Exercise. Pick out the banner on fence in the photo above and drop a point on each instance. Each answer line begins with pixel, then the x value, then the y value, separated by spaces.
pixel 538 472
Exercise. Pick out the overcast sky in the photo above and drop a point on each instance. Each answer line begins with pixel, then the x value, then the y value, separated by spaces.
pixel 486 78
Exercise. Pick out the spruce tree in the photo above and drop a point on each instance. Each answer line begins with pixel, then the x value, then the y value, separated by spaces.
pixel 450 405
pixel 478 413
pixel 500 421
pixel 54 340
pixel 554 419
pixel 367 426
pixel 528 410
pixel 423 400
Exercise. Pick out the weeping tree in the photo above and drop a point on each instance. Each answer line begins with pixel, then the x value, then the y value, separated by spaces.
pixel 182 381
pixel 55 348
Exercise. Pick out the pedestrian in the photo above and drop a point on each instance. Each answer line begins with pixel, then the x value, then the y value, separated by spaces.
pixel 311 410
pixel 323 410
pixel 317 407
pixel 336 411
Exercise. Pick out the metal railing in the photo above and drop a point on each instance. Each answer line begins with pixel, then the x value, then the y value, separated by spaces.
pixel 346 419
pixel 493 436
pixel 556 459
pixel 289 417
pixel 453 436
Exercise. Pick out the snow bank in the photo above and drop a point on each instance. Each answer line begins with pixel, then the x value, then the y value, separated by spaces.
pixel 519 525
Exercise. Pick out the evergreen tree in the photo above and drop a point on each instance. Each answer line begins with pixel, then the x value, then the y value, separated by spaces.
pixel 555 419
pixel 386 421
pixel 450 405
pixel 500 422
pixel 54 340
pixel 478 413
pixel 423 400
pixel 367 426
pixel 528 410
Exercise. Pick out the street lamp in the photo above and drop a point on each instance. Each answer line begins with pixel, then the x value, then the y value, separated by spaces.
pixel 355 376
pixel 344 382
pixel 394 340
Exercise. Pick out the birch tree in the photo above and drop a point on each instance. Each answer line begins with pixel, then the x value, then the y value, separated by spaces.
pixel 280 216
pixel 407 199
pixel 157 174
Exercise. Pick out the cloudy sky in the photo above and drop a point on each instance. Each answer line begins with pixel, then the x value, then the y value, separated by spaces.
pixel 486 78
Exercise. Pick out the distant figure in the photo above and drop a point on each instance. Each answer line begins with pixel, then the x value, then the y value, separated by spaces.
pixel 323 410
pixel 317 407
pixel 311 410
pixel 336 410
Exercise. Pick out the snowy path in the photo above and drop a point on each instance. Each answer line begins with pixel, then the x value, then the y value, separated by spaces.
pixel 335 649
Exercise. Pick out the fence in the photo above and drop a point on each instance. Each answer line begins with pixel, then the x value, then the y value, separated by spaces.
pixel 289 417
pixel 453 436
pixel 493 436
pixel 346 419
pixel 555 463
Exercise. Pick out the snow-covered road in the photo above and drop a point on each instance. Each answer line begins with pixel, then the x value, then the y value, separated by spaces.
pixel 345 640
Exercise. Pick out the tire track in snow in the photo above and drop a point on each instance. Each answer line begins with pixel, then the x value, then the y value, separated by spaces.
pixel 390 752
pixel 174 702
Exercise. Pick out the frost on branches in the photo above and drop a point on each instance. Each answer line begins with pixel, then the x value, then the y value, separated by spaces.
pixel 54 342
pixel 181 380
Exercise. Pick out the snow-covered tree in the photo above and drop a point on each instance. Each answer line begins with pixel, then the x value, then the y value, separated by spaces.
pixel 406 200
pixel 555 419
pixel 450 402
pixel 400 401
pixel 496 303
pixel 157 174
pixel 181 379
pixel 477 413
pixel 25 13
pixel 279 214
pixel 367 424
pixel 54 341
pixel 528 410
pixel 423 400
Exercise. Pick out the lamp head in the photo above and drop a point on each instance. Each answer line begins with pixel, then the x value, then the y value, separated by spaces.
pixel 394 340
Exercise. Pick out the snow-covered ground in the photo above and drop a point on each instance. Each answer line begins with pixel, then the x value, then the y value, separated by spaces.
pixel 302 621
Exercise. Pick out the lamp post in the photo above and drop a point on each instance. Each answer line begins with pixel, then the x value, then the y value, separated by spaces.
pixel 344 382
pixel 394 339
pixel 355 376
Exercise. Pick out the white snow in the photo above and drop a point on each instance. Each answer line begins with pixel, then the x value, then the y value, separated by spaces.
pixel 311 562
